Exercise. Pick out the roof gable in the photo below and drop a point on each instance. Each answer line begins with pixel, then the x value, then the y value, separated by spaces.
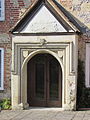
pixel 43 21
pixel 33 21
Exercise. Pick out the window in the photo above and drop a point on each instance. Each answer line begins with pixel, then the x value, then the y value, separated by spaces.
pixel 87 64
pixel 2 10
pixel 1 68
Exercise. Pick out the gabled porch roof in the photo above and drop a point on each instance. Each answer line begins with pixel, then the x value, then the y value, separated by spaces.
pixel 68 21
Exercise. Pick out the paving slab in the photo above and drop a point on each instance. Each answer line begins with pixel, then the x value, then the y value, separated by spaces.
pixel 44 114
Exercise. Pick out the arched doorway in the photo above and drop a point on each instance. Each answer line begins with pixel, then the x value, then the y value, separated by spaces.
pixel 44 81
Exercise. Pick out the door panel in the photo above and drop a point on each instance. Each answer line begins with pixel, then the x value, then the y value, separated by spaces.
pixel 54 80
pixel 44 81
pixel 39 85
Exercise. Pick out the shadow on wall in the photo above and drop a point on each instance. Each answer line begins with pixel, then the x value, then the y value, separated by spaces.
pixel 83 93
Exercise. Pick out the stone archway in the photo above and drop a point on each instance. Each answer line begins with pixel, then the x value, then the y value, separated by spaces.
pixel 64 52
pixel 24 74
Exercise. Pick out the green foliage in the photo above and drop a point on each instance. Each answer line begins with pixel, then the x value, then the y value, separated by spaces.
pixel 83 93
pixel 5 104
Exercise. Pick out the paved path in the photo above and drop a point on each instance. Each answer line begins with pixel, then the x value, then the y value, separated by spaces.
pixel 44 114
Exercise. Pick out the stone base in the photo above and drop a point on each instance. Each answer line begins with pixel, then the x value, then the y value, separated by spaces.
pixel 26 106
pixel 21 106
pixel 69 108
pixel 18 107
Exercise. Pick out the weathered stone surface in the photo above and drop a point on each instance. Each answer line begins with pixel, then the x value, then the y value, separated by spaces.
pixel 81 9
pixel 4 38
pixel 44 114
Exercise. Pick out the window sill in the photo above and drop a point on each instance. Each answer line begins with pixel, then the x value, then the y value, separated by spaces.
pixel 1 89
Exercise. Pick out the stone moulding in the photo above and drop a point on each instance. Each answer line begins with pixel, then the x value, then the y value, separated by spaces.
pixel 64 50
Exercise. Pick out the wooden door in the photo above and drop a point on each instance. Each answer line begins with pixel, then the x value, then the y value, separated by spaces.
pixel 44 81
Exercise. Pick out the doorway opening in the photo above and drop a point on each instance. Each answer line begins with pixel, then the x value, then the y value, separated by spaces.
pixel 44 81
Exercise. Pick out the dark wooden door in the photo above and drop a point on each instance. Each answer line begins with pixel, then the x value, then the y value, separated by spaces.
pixel 44 81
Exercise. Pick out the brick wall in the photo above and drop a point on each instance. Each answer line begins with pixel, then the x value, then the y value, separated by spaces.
pixel 13 10
pixel 7 69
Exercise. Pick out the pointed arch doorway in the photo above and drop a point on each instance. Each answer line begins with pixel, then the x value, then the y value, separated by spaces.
pixel 44 81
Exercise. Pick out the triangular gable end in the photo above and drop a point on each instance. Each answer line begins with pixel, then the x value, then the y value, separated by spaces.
pixel 42 20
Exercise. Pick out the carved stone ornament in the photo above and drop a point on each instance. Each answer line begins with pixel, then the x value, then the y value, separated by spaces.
pixel 60 54
pixel 43 41
pixel 25 54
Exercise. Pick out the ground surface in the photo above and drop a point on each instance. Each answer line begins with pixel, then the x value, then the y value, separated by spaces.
pixel 44 114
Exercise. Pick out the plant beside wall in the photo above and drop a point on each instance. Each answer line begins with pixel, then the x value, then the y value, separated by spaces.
pixel 83 93
pixel 5 104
